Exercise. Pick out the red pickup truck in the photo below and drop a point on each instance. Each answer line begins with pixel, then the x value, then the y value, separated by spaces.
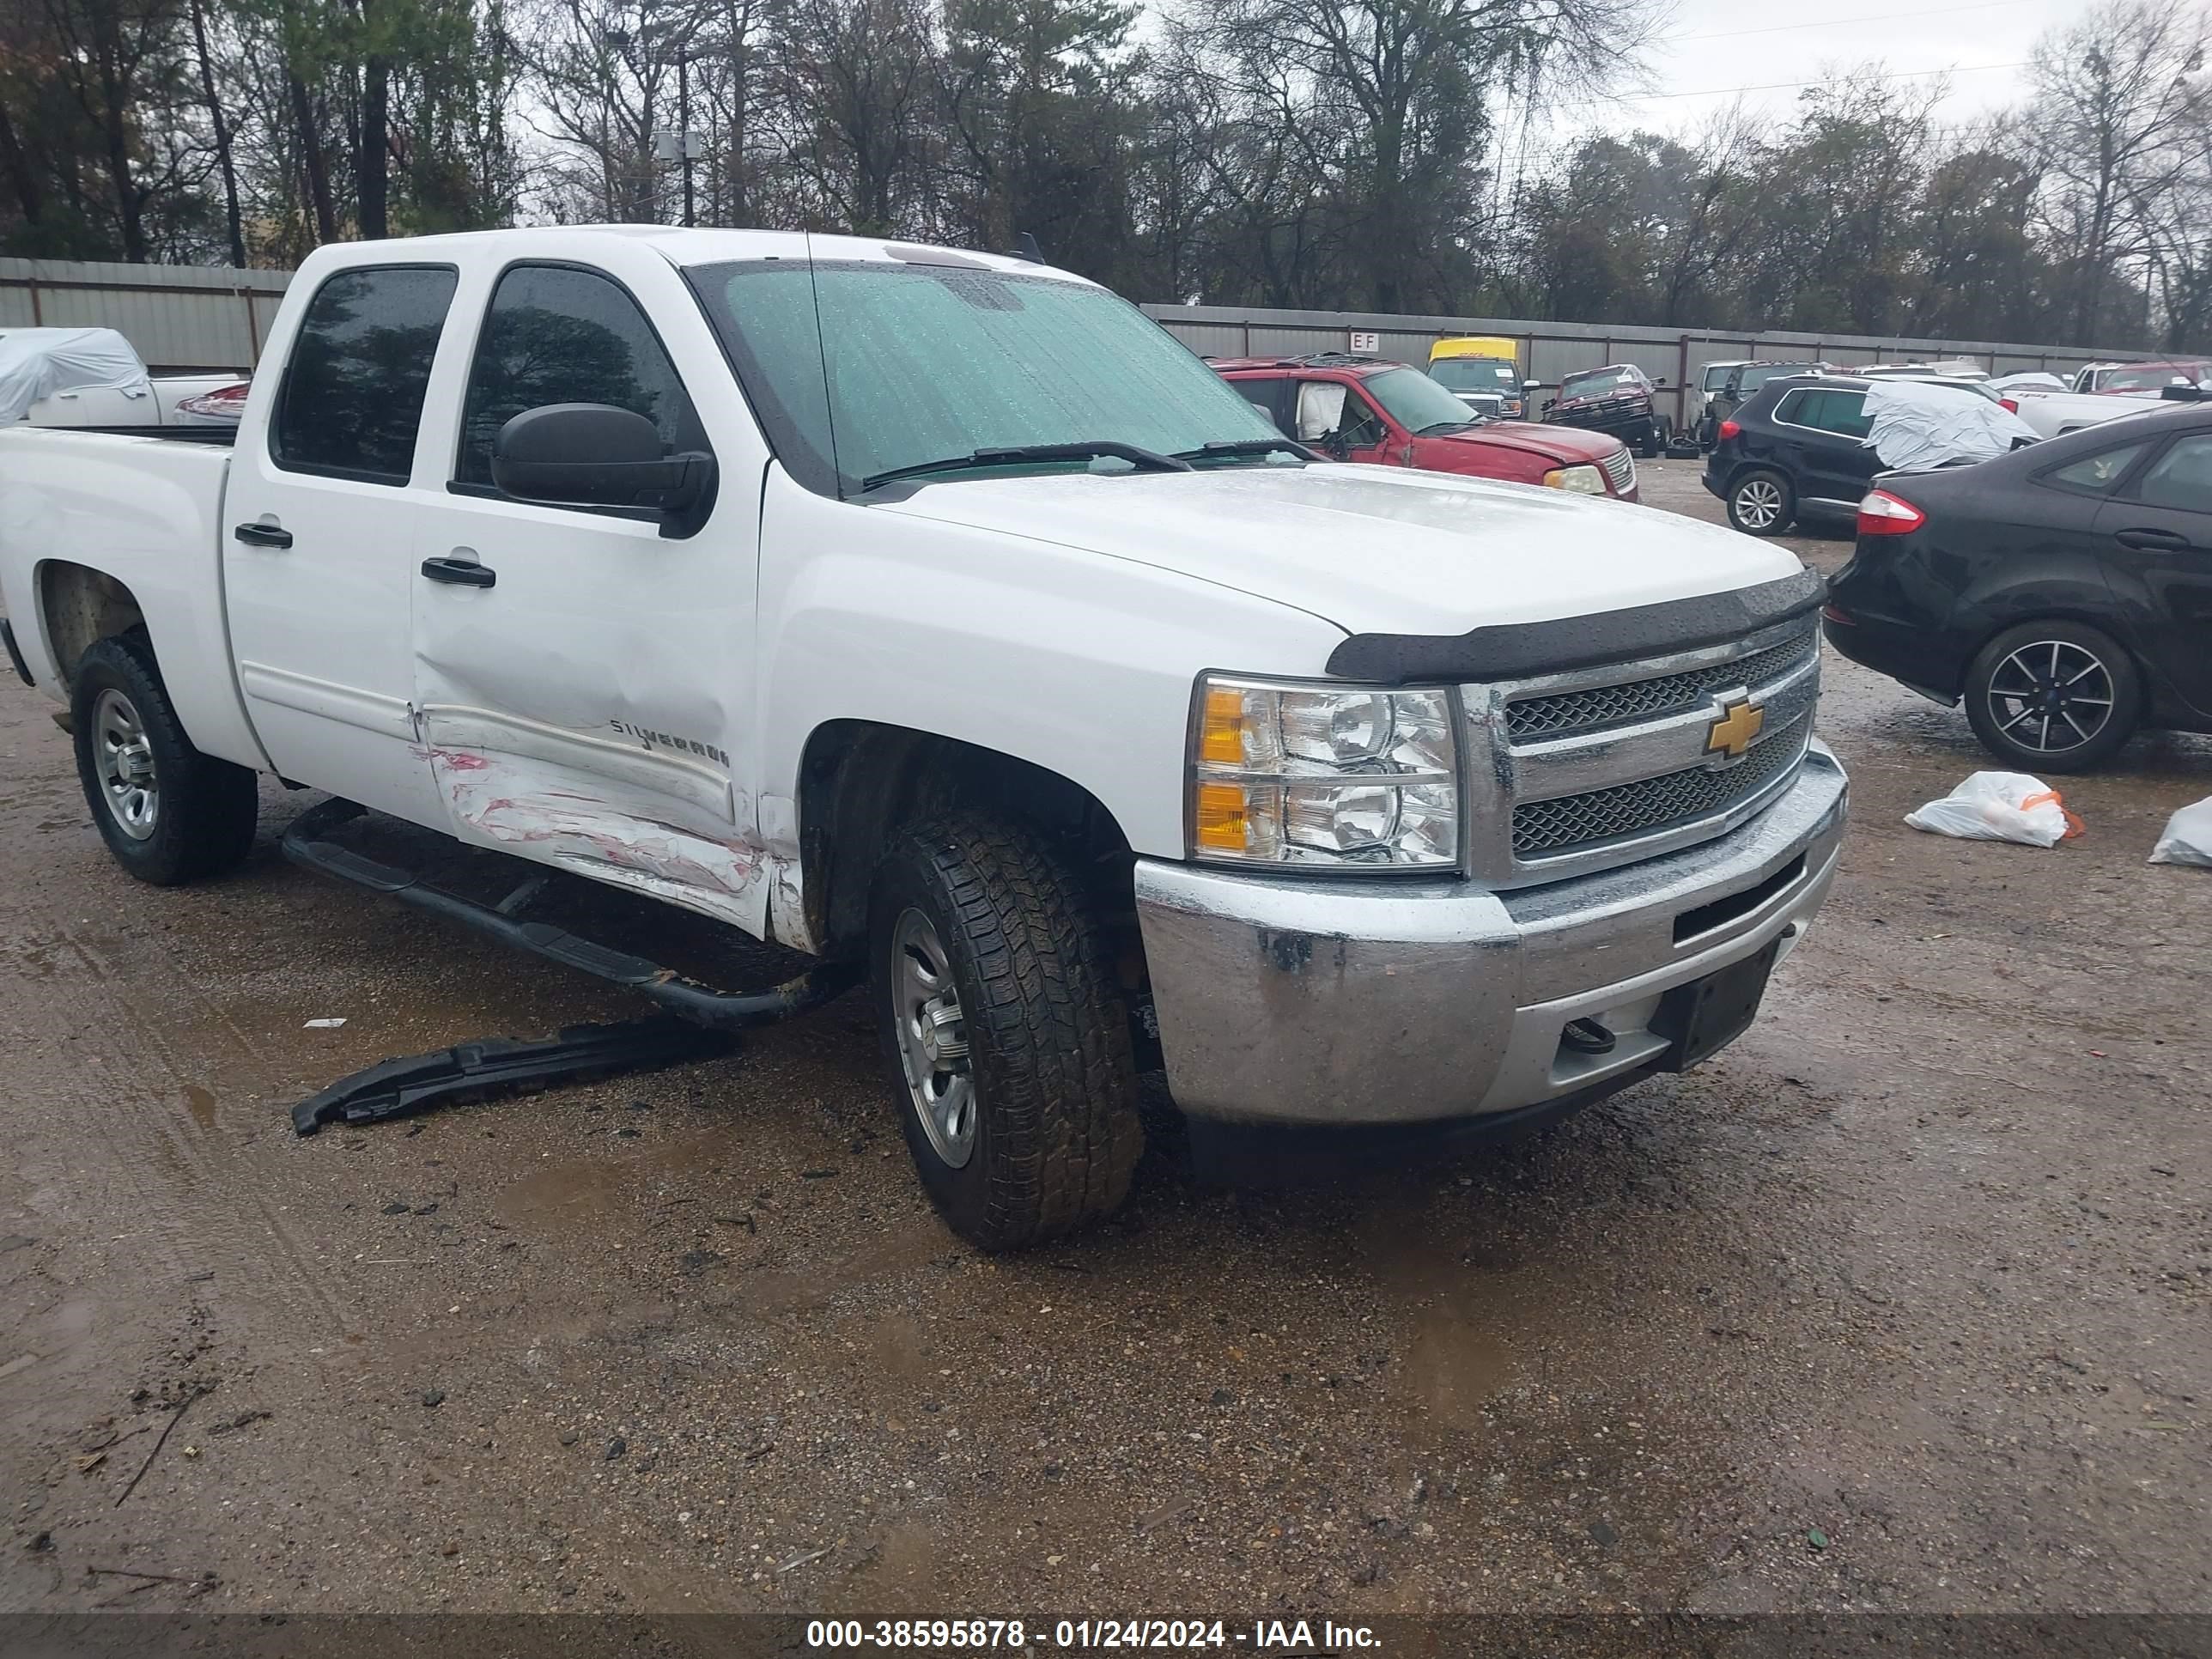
pixel 1364 408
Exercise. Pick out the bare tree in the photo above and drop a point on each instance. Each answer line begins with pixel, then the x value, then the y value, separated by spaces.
pixel 2112 95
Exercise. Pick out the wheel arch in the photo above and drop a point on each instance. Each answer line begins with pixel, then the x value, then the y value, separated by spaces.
pixel 79 606
pixel 861 782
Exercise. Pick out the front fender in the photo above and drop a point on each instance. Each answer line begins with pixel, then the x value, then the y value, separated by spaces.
pixel 1078 663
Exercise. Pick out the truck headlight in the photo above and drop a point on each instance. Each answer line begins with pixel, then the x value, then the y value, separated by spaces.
pixel 1335 777
pixel 1577 480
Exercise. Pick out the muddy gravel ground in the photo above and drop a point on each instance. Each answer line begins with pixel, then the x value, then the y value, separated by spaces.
pixel 1905 1302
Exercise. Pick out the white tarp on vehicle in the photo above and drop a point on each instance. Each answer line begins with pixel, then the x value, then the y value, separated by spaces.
pixel 37 362
pixel 2034 381
pixel 1919 424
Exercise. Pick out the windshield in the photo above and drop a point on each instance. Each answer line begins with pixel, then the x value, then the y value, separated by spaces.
pixel 1755 377
pixel 859 368
pixel 2151 379
pixel 1599 383
pixel 1475 374
pixel 1413 400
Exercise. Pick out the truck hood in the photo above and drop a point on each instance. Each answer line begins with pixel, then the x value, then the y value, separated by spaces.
pixel 1372 549
pixel 1561 446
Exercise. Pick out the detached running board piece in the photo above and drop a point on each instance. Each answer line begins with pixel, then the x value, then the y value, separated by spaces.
pixel 474 1071
pixel 701 1005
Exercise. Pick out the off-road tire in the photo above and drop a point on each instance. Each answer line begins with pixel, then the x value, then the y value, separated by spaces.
pixel 2120 669
pixel 1744 518
pixel 1056 1130
pixel 207 810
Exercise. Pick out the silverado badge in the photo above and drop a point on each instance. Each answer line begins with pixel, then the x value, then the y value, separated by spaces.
pixel 1740 720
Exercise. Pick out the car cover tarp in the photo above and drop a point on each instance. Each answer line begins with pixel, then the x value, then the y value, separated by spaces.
pixel 1918 425
pixel 37 362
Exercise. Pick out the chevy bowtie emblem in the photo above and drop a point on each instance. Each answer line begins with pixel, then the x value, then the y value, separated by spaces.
pixel 1734 728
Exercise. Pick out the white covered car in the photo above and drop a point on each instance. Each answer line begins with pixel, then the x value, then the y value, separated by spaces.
pixel 92 377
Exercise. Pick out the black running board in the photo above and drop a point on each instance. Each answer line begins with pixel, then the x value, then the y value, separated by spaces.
pixel 701 1005
pixel 475 1071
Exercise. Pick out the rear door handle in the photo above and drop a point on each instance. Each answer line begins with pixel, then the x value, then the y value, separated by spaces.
pixel 263 535
pixel 460 573
pixel 2153 541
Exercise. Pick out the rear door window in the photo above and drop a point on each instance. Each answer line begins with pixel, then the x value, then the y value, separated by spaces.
pixel 351 401
pixel 1827 408
pixel 1267 397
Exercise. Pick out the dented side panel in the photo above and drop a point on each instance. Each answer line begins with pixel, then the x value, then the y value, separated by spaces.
pixel 592 708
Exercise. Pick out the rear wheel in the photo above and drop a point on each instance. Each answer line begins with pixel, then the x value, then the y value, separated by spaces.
pixel 1761 503
pixel 2054 697
pixel 168 813
pixel 1005 1032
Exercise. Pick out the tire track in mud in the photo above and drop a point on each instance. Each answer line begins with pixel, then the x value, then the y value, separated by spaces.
pixel 133 1111
pixel 190 1038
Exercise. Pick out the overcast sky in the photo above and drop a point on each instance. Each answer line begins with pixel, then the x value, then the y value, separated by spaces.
pixel 1714 45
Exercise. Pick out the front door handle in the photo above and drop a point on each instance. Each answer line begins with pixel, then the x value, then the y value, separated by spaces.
pixel 263 535
pixel 460 573
pixel 2152 541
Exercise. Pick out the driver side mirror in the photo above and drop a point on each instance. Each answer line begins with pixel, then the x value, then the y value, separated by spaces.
pixel 1335 444
pixel 597 455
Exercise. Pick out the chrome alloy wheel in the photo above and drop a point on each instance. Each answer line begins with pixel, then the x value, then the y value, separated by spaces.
pixel 1757 503
pixel 124 756
pixel 2051 695
pixel 933 1039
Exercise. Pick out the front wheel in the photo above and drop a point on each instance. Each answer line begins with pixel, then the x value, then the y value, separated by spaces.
pixel 168 813
pixel 2054 697
pixel 1760 504
pixel 1005 1032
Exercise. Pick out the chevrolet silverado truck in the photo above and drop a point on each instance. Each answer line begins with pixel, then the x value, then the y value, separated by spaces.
pixel 937 615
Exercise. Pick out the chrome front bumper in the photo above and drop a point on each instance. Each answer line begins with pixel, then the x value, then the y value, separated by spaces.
pixel 1381 1001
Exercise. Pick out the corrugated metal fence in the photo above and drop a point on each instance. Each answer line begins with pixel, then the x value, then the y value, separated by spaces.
pixel 1549 351
pixel 179 317
pixel 188 316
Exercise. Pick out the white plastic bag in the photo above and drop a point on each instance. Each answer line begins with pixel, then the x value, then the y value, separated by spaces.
pixel 2187 837
pixel 2000 806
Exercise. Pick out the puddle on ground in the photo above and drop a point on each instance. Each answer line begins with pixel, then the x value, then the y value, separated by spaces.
pixel 202 1104
pixel 1457 1354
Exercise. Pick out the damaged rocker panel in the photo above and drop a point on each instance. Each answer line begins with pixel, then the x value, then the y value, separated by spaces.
pixel 704 1005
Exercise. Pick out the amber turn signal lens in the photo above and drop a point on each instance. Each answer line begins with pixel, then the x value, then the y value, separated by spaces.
pixel 1221 817
pixel 1221 739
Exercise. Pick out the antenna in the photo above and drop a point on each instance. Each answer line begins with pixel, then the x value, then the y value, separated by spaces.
pixel 1025 247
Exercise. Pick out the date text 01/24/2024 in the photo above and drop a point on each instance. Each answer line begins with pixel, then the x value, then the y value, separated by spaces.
pixel 1285 1637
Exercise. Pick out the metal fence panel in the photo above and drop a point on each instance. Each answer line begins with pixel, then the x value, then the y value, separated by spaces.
pixel 177 316
pixel 1549 350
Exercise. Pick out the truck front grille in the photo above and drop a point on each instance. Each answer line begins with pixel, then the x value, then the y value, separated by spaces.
pixel 1565 711
pixel 1620 471
pixel 1544 829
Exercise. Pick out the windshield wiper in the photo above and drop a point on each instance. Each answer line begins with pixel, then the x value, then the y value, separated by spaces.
pixel 1435 426
pixel 1144 460
pixel 1230 449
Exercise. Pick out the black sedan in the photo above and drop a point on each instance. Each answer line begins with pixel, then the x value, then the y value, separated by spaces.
pixel 2064 591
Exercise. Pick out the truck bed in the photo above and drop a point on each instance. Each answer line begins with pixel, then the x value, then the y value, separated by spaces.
pixel 143 507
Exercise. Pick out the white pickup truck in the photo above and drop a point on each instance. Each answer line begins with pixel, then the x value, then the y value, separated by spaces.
pixel 937 613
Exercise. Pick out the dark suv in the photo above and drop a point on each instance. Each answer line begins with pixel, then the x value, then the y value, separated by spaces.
pixel 1727 387
pixel 1796 451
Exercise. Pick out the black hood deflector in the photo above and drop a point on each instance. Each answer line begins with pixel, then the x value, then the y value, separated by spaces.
pixel 1516 650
